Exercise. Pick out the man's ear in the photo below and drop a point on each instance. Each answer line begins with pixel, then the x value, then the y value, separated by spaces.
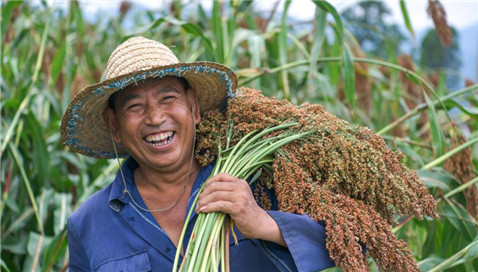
pixel 194 103
pixel 112 124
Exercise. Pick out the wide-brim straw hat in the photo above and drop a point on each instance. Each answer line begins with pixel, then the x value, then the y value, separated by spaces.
pixel 83 126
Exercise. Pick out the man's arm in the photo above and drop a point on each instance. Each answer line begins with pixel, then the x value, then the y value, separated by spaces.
pixel 305 239
pixel 78 258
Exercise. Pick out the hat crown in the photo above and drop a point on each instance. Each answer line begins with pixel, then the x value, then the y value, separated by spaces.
pixel 138 54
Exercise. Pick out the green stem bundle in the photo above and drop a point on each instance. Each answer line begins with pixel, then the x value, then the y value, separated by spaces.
pixel 206 250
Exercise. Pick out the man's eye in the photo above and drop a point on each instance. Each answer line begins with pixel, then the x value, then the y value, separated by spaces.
pixel 133 106
pixel 169 98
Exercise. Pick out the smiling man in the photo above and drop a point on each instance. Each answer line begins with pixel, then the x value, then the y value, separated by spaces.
pixel 147 111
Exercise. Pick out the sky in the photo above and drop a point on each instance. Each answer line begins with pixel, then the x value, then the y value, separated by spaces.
pixel 460 13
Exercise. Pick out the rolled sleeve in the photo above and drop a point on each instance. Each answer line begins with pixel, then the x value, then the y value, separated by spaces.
pixel 305 239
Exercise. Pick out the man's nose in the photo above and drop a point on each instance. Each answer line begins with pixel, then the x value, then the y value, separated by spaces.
pixel 154 115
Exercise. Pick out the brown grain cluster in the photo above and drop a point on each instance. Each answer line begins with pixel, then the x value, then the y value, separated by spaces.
pixel 342 174
pixel 461 166
pixel 413 94
pixel 437 12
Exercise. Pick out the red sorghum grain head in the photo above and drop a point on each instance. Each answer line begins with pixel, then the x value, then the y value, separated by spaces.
pixel 342 174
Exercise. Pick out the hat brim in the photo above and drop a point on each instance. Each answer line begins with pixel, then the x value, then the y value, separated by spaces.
pixel 83 126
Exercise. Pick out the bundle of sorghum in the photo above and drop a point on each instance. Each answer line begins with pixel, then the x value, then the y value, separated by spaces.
pixel 342 174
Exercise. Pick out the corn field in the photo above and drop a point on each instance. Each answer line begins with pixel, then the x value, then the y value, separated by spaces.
pixel 50 51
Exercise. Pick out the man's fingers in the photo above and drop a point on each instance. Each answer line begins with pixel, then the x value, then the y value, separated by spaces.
pixel 217 206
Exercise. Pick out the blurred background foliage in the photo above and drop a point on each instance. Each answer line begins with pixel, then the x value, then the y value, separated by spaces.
pixel 351 63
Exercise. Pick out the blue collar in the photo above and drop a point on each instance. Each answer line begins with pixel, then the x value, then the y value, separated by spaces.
pixel 118 199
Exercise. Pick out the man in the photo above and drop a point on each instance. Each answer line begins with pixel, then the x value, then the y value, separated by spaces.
pixel 147 110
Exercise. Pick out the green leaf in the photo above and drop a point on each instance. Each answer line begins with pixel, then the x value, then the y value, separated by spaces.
pixel 429 263
pixel 27 182
pixel 450 153
pixel 410 153
pixel 4 266
pixel 348 73
pixel 406 18
pixel 338 21
pixel 58 63
pixel 40 154
pixel 35 246
pixel 438 178
pixel 319 37
pixel 460 219
pixel 282 46
pixel 438 139
pixel 217 24
pixel 62 210
pixel 7 10
pixel 473 250
pixel 55 251
pixel 469 110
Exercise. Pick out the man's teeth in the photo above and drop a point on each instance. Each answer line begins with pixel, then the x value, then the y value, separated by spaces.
pixel 160 139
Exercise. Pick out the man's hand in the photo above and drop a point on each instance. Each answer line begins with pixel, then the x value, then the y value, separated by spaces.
pixel 227 194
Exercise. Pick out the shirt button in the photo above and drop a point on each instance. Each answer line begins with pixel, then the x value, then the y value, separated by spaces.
pixel 168 249
pixel 131 218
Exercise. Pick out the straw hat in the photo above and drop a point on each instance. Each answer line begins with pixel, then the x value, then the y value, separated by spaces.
pixel 137 59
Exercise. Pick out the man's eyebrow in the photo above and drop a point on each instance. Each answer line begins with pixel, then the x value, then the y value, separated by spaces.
pixel 128 97
pixel 167 89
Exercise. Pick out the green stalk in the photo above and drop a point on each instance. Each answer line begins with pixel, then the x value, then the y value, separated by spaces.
pixel 16 156
pixel 222 249
pixel 199 233
pixel 460 188
pixel 449 262
pixel 204 251
pixel 450 153
pixel 200 251
pixel 26 100
pixel 211 242
pixel 419 108
pixel 424 106
pixel 243 146
pixel 186 221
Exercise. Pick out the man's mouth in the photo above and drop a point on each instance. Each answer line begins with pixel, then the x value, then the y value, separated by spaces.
pixel 160 139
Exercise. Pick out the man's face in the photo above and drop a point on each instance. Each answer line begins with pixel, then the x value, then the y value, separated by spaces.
pixel 155 122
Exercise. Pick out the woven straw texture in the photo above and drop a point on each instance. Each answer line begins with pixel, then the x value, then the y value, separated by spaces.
pixel 83 127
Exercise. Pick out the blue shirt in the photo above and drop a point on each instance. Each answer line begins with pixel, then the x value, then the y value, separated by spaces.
pixel 109 233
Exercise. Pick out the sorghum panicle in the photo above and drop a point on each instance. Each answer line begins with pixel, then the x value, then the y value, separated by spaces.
pixel 342 174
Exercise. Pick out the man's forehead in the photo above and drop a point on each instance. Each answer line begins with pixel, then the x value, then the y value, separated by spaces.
pixel 173 82
pixel 167 80
pixel 134 90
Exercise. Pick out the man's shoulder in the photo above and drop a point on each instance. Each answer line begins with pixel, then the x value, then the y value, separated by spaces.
pixel 94 205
